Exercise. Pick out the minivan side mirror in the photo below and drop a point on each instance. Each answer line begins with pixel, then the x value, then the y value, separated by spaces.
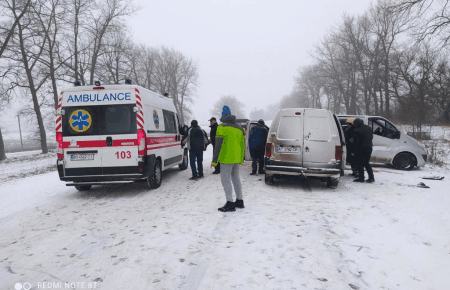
pixel 397 135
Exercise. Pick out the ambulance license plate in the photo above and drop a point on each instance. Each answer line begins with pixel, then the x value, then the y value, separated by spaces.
pixel 287 149
pixel 81 157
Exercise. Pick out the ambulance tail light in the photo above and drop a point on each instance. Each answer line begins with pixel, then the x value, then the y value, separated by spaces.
pixel 338 153
pixel 59 150
pixel 268 150
pixel 142 144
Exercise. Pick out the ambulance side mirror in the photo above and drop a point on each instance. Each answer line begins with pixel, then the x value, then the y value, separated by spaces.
pixel 184 130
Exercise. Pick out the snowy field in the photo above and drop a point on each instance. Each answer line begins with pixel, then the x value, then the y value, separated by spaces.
pixel 291 235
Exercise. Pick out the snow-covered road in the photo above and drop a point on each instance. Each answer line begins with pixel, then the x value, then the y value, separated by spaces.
pixel 291 235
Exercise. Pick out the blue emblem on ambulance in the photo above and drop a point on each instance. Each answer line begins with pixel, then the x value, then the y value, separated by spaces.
pixel 80 120
pixel 156 119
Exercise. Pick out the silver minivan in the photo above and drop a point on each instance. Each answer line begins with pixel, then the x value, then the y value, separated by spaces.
pixel 391 145
pixel 305 142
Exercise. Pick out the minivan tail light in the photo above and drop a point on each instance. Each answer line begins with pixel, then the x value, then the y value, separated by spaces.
pixel 142 144
pixel 268 150
pixel 338 153
pixel 59 150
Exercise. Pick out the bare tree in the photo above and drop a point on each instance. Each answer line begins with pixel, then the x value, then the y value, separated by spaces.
pixel 31 42
pixel 233 103
pixel 7 30
pixel 109 13
pixel 429 18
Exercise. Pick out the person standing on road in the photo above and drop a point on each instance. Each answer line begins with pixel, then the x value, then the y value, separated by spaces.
pixel 351 146
pixel 212 136
pixel 363 136
pixel 229 151
pixel 196 143
pixel 257 145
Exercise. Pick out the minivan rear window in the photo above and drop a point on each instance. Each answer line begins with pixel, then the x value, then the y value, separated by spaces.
pixel 317 128
pixel 290 127
pixel 99 120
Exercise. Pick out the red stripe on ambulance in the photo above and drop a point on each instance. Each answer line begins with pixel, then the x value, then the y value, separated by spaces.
pixel 101 143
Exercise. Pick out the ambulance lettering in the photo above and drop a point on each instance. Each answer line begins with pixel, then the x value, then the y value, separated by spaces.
pixel 91 98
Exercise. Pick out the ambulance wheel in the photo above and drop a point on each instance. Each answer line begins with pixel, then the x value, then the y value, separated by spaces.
pixel 185 164
pixel 83 187
pixel 333 182
pixel 404 161
pixel 154 181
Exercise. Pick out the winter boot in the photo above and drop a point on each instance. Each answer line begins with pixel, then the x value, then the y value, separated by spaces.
pixel 194 177
pixel 229 206
pixel 216 172
pixel 370 180
pixel 239 203
pixel 253 173
pixel 358 180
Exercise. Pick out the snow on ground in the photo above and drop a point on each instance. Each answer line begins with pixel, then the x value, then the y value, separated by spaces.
pixel 27 163
pixel 291 235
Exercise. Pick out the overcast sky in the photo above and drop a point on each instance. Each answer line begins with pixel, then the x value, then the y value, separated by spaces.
pixel 251 49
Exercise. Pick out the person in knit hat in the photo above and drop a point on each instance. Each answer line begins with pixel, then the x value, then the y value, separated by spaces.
pixel 229 151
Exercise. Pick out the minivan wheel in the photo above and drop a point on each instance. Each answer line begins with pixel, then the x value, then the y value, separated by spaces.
pixel 268 179
pixel 83 187
pixel 404 161
pixel 333 182
pixel 185 164
pixel 154 181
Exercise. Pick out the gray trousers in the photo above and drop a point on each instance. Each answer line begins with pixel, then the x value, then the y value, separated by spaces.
pixel 229 173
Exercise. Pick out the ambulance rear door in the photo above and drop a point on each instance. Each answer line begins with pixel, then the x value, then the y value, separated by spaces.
pixel 100 131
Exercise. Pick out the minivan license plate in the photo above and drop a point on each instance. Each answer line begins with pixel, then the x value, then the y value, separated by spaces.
pixel 80 157
pixel 288 149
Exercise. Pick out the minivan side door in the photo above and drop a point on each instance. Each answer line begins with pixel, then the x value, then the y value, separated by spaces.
pixel 385 140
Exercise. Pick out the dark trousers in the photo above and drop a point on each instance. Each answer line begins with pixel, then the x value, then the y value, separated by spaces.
pixel 362 158
pixel 257 157
pixel 193 155
pixel 216 168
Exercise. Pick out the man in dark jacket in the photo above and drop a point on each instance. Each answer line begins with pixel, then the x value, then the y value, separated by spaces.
pixel 351 146
pixel 212 136
pixel 196 143
pixel 257 145
pixel 363 137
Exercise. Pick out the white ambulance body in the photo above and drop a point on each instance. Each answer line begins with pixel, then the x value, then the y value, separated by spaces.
pixel 116 134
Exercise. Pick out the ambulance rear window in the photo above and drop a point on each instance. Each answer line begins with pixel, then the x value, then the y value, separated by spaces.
pixel 118 120
pixel 99 120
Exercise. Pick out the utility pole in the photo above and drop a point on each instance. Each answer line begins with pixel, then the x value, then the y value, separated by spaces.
pixel 20 131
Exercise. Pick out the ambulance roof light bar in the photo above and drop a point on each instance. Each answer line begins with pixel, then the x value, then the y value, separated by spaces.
pixel 77 83
pixel 97 86
pixel 128 81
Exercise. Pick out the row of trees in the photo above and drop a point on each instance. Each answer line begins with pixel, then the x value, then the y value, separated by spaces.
pixel 391 61
pixel 48 44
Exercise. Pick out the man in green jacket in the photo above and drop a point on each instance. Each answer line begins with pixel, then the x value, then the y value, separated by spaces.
pixel 229 152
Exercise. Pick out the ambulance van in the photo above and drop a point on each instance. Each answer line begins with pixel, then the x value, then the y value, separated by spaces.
pixel 116 134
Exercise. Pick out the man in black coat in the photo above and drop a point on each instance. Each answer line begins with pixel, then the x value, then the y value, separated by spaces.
pixel 212 140
pixel 363 137
pixel 351 146
pixel 196 143
pixel 257 145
